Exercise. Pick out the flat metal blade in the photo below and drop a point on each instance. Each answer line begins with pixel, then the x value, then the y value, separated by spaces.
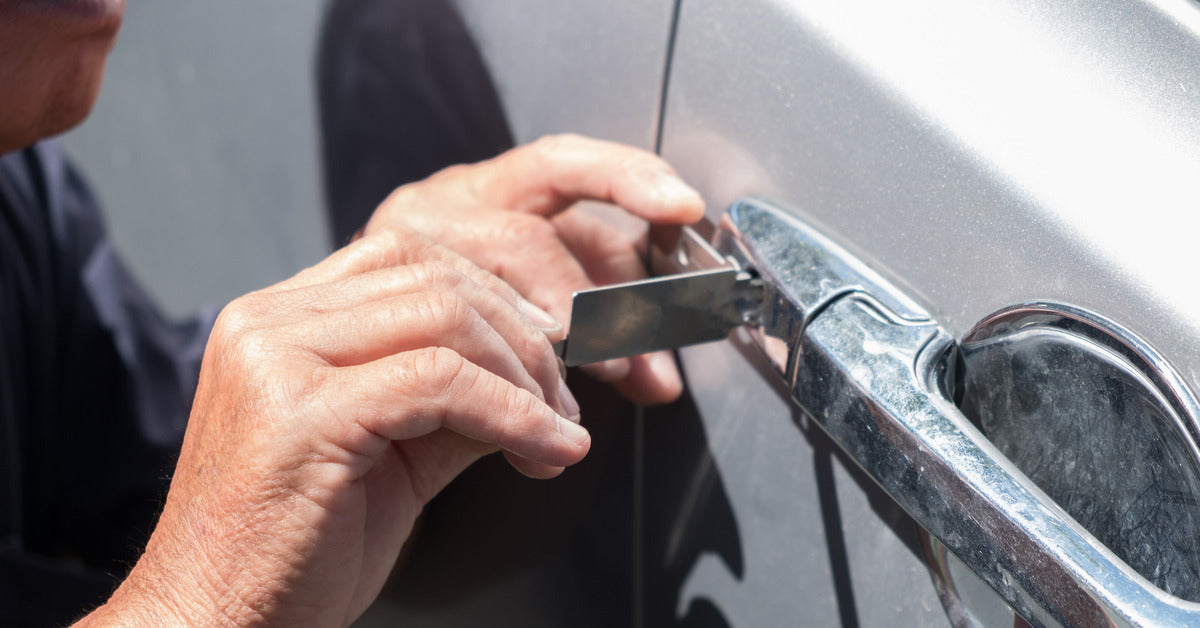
pixel 639 317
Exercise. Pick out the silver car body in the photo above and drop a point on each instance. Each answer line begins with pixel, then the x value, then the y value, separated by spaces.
pixel 984 154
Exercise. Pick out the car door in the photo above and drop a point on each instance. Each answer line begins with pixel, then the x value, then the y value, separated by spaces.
pixel 1018 175
pixel 984 156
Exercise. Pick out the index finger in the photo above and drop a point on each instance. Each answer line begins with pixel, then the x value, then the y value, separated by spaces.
pixel 549 175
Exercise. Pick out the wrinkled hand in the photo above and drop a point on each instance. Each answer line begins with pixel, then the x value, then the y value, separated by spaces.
pixel 331 408
pixel 512 216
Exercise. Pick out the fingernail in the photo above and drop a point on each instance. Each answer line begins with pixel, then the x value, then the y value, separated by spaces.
pixel 608 370
pixel 674 190
pixel 536 315
pixel 570 406
pixel 573 432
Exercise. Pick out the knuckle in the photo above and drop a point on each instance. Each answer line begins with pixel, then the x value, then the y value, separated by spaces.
pixel 556 142
pixel 524 404
pixel 632 163
pixel 635 162
pixel 420 274
pixel 253 359
pixel 528 229
pixel 448 310
pixel 240 315
pixel 399 193
pixel 437 275
pixel 545 145
pixel 548 149
pixel 444 188
pixel 308 388
pixel 533 346
pixel 452 172
pixel 521 416
pixel 400 197
pixel 381 244
pixel 386 240
pixel 395 245
pixel 252 348
pixel 441 371
pixel 373 250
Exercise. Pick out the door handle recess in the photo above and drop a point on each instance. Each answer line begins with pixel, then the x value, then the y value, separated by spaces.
pixel 865 362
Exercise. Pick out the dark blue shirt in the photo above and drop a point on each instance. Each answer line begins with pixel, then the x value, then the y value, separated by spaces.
pixel 95 387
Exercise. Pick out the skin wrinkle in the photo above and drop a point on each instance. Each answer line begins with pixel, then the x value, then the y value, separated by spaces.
pixel 619 370
pixel 205 565
pixel 359 447
pixel 437 314
pixel 336 347
pixel 328 414
pixel 421 486
pixel 253 530
pixel 376 284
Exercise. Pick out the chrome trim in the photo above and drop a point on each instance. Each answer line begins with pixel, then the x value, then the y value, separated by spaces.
pixel 1103 332
pixel 864 361
pixel 1100 422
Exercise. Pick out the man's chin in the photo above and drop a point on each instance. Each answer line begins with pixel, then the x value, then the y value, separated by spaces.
pixel 52 55
pixel 63 105
pixel 56 121
pixel 68 115
pixel 81 17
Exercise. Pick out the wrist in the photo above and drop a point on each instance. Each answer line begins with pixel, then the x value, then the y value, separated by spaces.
pixel 134 604
pixel 165 588
pixel 145 600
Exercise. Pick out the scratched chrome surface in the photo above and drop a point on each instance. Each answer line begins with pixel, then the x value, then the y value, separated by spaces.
pixel 869 375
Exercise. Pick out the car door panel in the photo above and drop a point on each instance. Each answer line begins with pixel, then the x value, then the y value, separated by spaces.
pixel 589 66
pixel 985 156
pixel 788 100
pixel 979 155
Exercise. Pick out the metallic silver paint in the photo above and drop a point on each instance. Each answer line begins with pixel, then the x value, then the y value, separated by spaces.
pixel 585 66
pixel 986 153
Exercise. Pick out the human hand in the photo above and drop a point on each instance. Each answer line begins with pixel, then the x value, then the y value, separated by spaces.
pixel 512 216
pixel 331 408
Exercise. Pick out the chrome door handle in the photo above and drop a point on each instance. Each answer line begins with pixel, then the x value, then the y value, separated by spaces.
pixel 865 361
